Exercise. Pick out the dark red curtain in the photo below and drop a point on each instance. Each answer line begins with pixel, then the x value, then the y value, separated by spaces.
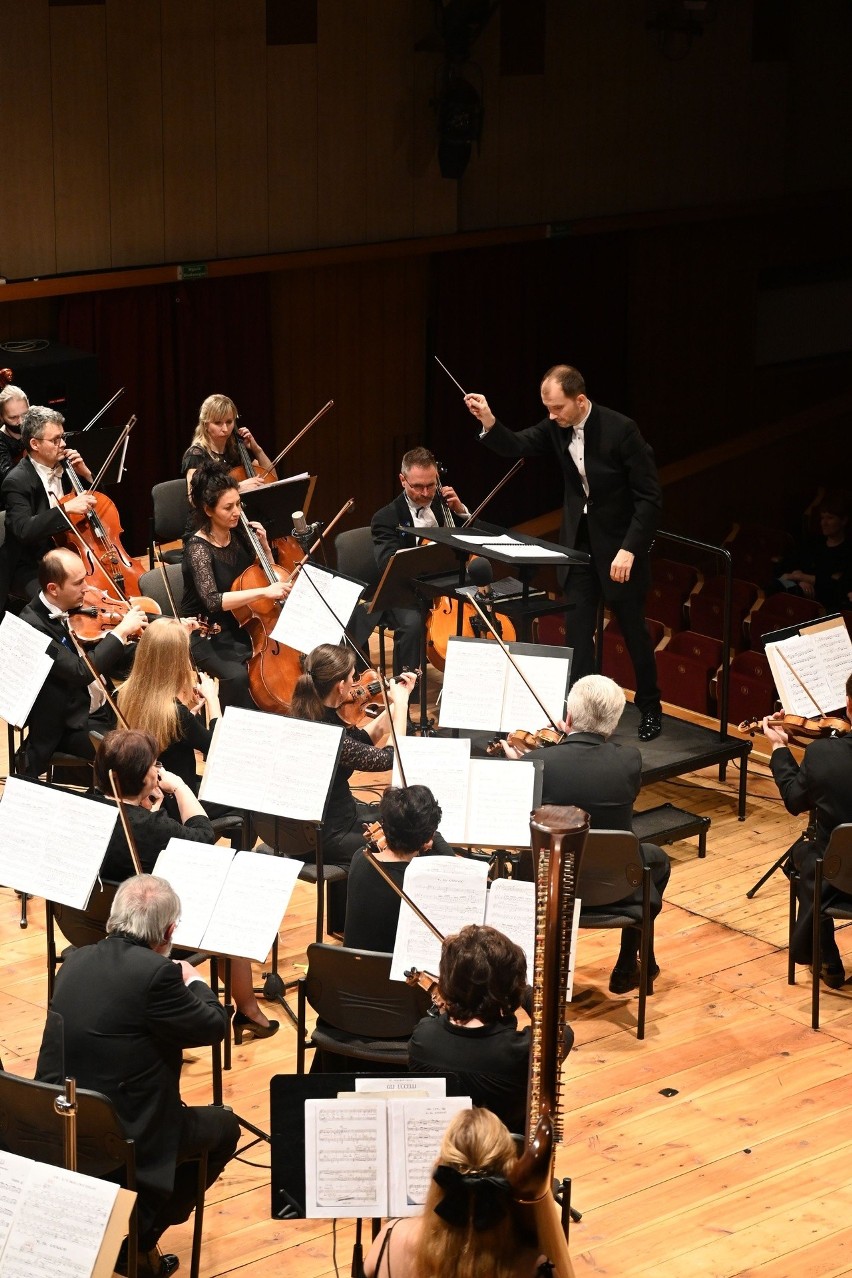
pixel 170 346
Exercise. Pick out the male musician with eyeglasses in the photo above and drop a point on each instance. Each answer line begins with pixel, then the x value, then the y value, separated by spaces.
pixel 611 506
pixel 420 505
pixel 30 494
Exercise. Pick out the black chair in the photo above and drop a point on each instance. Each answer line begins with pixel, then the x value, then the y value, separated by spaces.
pixel 79 927
pixel 31 1127
pixel 834 867
pixel 361 1013
pixel 356 557
pixel 151 584
pixel 611 868
pixel 301 841
pixel 169 518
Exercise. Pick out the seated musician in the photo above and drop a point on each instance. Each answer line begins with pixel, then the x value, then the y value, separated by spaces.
pixel 30 493
pixel 216 440
pixel 471 1223
pixel 422 504
pixel 593 773
pixel 124 1013
pixel 215 555
pixel 70 704
pixel 13 409
pixel 143 784
pixel 409 818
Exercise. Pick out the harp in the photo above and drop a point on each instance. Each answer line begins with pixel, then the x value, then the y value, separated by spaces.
pixel 558 839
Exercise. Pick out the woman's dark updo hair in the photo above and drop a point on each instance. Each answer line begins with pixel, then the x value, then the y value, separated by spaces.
pixel 409 817
pixel 325 666
pixel 482 974
pixel 128 753
pixel 209 482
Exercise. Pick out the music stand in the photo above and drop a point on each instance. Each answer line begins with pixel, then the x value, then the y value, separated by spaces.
pixel 96 445
pixel 412 578
pixel 273 504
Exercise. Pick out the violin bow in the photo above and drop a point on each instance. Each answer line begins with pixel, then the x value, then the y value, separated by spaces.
pixel 99 414
pixel 128 833
pixel 494 491
pixel 800 681
pixel 403 896
pixel 121 438
pixel 510 657
pixel 294 441
pixel 344 509
pixel 97 677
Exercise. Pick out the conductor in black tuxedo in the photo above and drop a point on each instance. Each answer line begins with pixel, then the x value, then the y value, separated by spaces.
pixel 611 507
pixel 128 1012
pixel 822 783
pixel 69 704
pixel 422 504
pixel 29 495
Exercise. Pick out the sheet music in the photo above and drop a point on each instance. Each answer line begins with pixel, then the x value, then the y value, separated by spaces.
pixel 451 893
pixel 197 872
pixel 24 666
pixel 822 660
pixel 548 675
pixel 13 1172
pixel 249 912
pixel 52 843
pixel 500 798
pixel 434 1086
pixel 58 1225
pixel 346 1158
pixel 314 616
pixel 441 764
pixel 510 908
pixel 518 550
pixel 270 763
pixel 474 684
pixel 415 1130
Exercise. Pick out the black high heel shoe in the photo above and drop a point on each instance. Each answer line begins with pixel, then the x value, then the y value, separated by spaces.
pixel 245 1025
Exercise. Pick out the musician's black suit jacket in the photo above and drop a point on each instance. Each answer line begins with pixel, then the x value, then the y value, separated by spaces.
pixel 31 519
pixel 624 490
pixel 600 777
pixel 386 540
pixel 127 1017
pixel 62 706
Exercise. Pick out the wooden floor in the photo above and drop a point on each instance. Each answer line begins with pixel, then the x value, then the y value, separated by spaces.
pixel 743 1167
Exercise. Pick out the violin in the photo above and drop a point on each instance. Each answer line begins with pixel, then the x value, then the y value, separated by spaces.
pixel 799 728
pixel 101 612
pixel 525 741
pixel 367 693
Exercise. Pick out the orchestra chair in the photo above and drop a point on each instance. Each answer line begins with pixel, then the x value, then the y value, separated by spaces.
pixel 777 613
pixel 301 841
pixel 169 517
pixel 616 661
pixel 751 688
pixel 151 584
pixel 356 557
pixel 79 927
pixel 756 550
pixel 707 606
pixel 834 867
pixel 671 585
pixel 361 1012
pixel 684 680
pixel 611 868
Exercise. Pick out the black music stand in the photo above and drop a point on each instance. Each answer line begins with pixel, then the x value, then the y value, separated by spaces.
pixel 273 504
pixel 412 578
pixel 96 446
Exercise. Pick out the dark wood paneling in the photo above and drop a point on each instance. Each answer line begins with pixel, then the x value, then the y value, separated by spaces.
pixel 189 130
pixel 342 73
pixel 292 101
pixel 242 193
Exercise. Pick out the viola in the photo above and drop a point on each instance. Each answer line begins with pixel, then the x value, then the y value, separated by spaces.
pixel 524 740
pixel 366 694
pixel 101 612
pixel 800 728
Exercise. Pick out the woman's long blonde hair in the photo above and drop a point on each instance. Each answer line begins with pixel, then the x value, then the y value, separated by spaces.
pixel 475 1141
pixel 162 674
pixel 215 409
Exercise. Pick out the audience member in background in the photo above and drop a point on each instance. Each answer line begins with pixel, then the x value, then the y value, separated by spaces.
pixel 821 566
pixel 471 1226
pixel 409 819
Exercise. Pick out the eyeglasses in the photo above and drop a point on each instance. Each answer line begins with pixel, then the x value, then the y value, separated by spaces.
pixel 422 488
pixel 54 439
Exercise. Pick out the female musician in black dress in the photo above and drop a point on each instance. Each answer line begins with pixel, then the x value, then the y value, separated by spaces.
pixel 215 555
pixel 215 440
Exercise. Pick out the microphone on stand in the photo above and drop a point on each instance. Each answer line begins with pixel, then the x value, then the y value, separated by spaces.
pixel 303 532
pixel 481 574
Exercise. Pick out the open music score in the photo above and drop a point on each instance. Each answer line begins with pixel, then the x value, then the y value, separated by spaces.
pixel 372 1156
pixel 821 655
pixel 24 666
pixel 231 902
pixel 52 843
pixel 316 610
pixel 484 802
pixel 482 691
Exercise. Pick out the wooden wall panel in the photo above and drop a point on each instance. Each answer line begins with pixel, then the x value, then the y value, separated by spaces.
pixel 436 199
pixel 292 140
pixel 134 68
pixel 189 130
pixel 389 119
pixel 479 198
pixel 80 137
pixel 27 221
pixel 241 147
pixel 342 67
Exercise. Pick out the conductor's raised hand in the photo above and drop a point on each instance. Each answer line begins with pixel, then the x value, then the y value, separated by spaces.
pixel 478 405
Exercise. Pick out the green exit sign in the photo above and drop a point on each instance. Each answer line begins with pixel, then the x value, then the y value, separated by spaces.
pixel 192 271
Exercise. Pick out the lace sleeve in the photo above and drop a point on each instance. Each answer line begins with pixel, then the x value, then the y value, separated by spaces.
pixel 360 754
pixel 199 554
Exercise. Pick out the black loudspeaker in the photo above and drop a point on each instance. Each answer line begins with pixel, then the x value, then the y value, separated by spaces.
pixel 58 377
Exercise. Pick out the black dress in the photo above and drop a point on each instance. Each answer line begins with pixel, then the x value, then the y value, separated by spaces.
pixel 208 573
pixel 151 833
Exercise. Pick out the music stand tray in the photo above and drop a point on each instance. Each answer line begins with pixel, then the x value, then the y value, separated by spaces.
pixel 273 504
pixel 405 580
